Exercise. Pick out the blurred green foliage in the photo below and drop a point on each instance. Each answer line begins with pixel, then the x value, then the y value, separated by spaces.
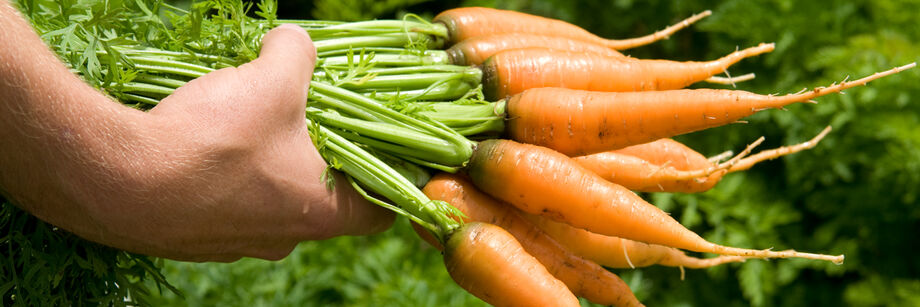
pixel 42 265
pixel 394 268
pixel 854 194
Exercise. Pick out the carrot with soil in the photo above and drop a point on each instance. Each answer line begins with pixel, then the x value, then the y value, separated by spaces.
pixel 583 277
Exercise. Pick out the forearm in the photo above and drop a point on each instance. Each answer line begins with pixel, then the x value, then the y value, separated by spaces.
pixel 53 131
pixel 221 168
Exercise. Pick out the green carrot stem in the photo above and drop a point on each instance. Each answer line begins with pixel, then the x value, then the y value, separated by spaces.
pixel 138 98
pixel 199 57
pixel 454 122
pixel 161 62
pixel 435 166
pixel 420 69
pixel 382 146
pixel 431 57
pixel 388 71
pixel 450 90
pixel 370 105
pixel 322 101
pixel 461 148
pixel 380 26
pixel 373 178
pixel 484 128
pixel 454 114
pixel 306 23
pixel 413 172
pixel 327 33
pixel 411 142
pixel 385 147
pixel 461 122
pixel 384 180
pixel 392 50
pixel 159 80
pixel 169 70
pixel 400 82
pixel 374 200
pixel 144 88
pixel 366 105
pixel 381 40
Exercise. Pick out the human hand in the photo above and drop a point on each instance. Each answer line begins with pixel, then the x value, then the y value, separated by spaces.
pixel 221 169
pixel 237 174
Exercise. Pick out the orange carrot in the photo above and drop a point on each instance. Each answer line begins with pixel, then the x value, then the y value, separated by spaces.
pixel 578 122
pixel 666 165
pixel 488 262
pixel 541 181
pixel 476 50
pixel 513 71
pixel 660 166
pixel 622 253
pixel 468 22
pixel 583 277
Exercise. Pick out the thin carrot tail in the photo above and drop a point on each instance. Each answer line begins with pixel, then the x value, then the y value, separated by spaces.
pixel 722 64
pixel 670 75
pixel 705 172
pixel 677 258
pixel 740 162
pixel 806 96
pixel 749 162
pixel 621 44
pixel 719 157
pixel 729 80
pixel 766 253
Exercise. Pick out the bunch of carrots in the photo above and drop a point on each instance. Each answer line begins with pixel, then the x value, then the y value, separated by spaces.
pixel 513 142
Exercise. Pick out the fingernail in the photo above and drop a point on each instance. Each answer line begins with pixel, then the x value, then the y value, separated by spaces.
pixel 295 28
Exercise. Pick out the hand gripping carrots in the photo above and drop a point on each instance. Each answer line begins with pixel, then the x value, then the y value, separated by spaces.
pixel 565 93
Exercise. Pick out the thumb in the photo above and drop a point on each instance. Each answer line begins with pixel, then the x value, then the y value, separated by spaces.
pixel 282 72
pixel 287 58
pixel 289 51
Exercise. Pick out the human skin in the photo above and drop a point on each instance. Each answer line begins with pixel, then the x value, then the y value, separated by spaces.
pixel 222 169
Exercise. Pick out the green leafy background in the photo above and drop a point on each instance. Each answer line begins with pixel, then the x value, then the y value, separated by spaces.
pixel 854 194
